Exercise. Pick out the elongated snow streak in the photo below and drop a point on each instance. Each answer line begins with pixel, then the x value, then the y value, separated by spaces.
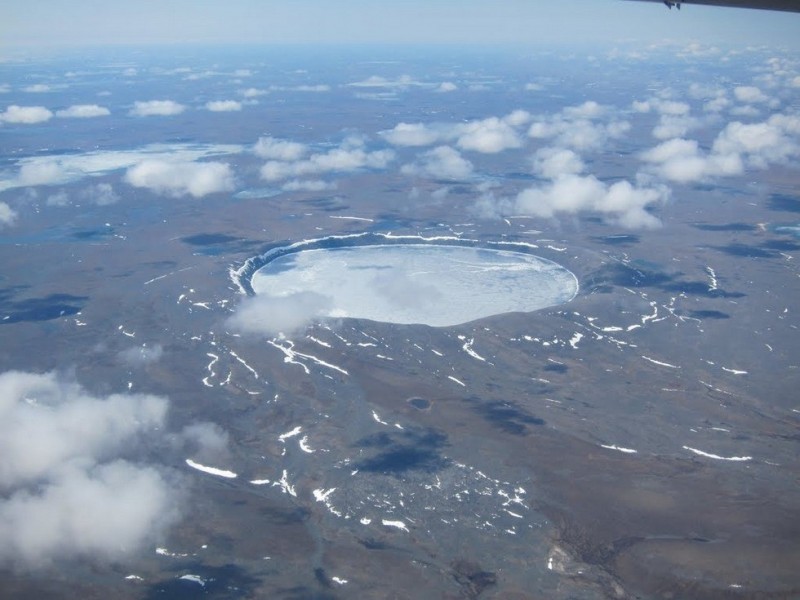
pixel 211 470
pixel 353 218
pixel 467 347
pixel 713 277
pixel 717 457
pixel 246 366
pixel 285 436
pixel 659 363
pixel 214 359
pixel 734 371
pixel 619 448
pixel 397 524
pixel 575 339
pixel 458 381
pixel 291 354
pixel 284 484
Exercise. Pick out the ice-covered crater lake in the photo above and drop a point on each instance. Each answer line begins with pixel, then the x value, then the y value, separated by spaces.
pixel 429 284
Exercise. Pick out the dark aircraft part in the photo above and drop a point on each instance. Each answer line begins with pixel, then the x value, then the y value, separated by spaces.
pixel 784 5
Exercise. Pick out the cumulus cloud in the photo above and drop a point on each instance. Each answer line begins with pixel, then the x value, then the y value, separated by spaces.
pixel 588 126
pixel 276 149
pixel 376 81
pixel 37 88
pixel 143 355
pixel 738 146
pixel 157 108
pixel 275 315
pixel 310 185
pixel 489 136
pixel 69 487
pixel 412 134
pixel 681 160
pixel 181 178
pixel 253 92
pixel 749 94
pixel 41 173
pixel 101 194
pixel 620 202
pixel 675 119
pixel 552 162
pixel 443 162
pixel 83 111
pixel 27 115
pixel 223 106
pixel 350 156
pixel 7 215
pixel 447 86
pixel 66 168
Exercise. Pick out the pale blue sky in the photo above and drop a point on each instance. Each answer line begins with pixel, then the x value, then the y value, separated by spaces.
pixel 78 22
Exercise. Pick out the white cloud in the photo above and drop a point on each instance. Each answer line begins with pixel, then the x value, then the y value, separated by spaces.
pixel 346 158
pixel 25 114
pixel 67 489
pixel 139 356
pixel 156 108
pixel 588 110
pixel 411 134
pixel 376 81
pixel 311 185
pixel 274 315
pixel 749 94
pixel 276 149
pixel 223 106
pixel 101 194
pixel 60 198
pixel 7 215
pixel 46 172
pixel 489 136
pixel 553 162
pixel 577 127
pixel 253 93
pixel 672 126
pixel 760 144
pixel 447 86
pixel 620 202
pixel 443 162
pixel 67 168
pixel 681 161
pixel 83 111
pixel 37 88
pixel 180 178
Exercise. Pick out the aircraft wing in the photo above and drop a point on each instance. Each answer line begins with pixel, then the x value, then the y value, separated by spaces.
pixel 785 5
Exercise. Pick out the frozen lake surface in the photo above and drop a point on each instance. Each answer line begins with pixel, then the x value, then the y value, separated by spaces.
pixel 419 283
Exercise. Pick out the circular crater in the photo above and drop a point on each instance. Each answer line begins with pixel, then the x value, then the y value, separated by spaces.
pixel 415 283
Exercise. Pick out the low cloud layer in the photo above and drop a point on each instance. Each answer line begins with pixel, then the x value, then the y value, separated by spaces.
pixel 737 147
pixel 620 202
pixel 68 488
pixel 172 178
pixel 351 156
pixel 83 111
pixel 161 108
pixel 223 106
pixel 7 215
pixel 444 163
pixel 26 115
pixel 275 315
pixel 587 126
pixel 487 136
pixel 272 148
